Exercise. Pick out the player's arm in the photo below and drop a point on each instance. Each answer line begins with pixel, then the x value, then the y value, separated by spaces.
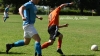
pixel 21 10
pixel 65 25
pixel 8 11
pixel 5 10
pixel 62 5
pixel 39 17
pixel 65 4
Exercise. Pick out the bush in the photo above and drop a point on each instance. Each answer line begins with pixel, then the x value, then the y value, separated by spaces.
pixel 11 9
pixel 41 12
pixel 74 12
pixel 1 8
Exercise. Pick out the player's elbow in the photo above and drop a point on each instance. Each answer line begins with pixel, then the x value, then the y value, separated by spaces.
pixel 21 8
pixel 51 43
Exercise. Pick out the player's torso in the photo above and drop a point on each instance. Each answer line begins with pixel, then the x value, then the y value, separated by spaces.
pixel 6 9
pixel 53 18
pixel 30 14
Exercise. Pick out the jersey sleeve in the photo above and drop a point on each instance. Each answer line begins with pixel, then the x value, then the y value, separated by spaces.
pixel 27 5
pixel 6 9
pixel 58 9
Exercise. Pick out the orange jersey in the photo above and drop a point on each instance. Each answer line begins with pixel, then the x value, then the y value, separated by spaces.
pixel 54 17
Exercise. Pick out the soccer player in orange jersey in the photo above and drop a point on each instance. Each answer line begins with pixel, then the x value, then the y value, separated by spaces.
pixel 54 26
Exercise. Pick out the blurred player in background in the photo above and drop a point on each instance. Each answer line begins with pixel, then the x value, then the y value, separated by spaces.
pixel 54 26
pixel 6 13
pixel 28 13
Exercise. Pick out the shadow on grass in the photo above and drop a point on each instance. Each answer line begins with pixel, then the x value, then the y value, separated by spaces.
pixel 77 55
pixel 14 22
pixel 11 53
pixel 98 50
pixel 83 55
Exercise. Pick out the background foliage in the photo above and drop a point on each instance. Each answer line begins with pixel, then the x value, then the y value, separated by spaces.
pixel 81 4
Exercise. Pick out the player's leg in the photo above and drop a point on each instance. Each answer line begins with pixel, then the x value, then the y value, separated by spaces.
pixel 46 44
pixel 5 16
pixel 37 45
pixel 33 33
pixel 26 41
pixel 52 31
pixel 60 37
pixel 19 43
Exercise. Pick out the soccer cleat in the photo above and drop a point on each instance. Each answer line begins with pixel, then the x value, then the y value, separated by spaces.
pixel 60 51
pixel 35 53
pixel 8 47
pixel 39 55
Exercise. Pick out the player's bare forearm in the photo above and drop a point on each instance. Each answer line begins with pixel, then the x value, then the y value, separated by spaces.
pixel 66 4
pixel 21 9
pixel 39 17
pixel 61 26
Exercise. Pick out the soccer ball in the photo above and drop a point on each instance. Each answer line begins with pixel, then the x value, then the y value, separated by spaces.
pixel 94 48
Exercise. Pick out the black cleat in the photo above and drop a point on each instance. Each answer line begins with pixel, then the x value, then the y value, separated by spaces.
pixel 8 47
pixel 35 53
pixel 60 51
pixel 39 55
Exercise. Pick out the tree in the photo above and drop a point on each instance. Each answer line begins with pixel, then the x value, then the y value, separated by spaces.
pixel 16 3
pixel 88 4
pixel 52 3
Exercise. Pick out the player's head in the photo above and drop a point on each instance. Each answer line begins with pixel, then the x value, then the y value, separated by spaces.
pixel 35 1
pixel 8 6
pixel 51 9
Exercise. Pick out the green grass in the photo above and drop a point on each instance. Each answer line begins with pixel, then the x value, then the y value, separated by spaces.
pixel 78 37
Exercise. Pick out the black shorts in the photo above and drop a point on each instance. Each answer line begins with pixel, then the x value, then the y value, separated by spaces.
pixel 53 31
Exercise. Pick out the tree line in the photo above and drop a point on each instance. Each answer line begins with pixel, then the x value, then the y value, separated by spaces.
pixel 81 4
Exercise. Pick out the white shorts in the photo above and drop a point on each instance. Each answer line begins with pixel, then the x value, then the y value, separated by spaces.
pixel 29 31
pixel 6 14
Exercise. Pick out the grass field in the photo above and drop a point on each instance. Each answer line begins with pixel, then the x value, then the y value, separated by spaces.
pixel 78 37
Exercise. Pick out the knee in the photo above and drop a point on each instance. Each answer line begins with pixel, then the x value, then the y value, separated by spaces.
pixel 38 39
pixel 61 36
pixel 26 43
pixel 51 42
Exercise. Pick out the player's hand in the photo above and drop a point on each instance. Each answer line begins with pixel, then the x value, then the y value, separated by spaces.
pixel 71 3
pixel 8 13
pixel 40 18
pixel 66 4
pixel 23 18
pixel 66 25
